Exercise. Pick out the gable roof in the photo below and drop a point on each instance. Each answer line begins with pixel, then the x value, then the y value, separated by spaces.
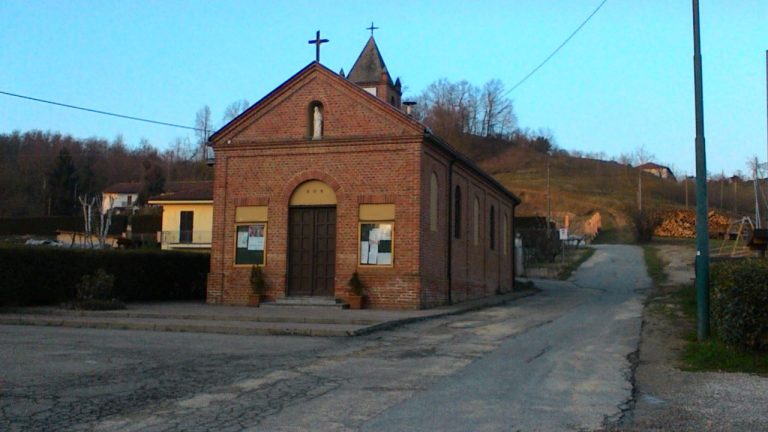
pixel 123 188
pixel 369 65
pixel 287 86
pixel 187 191
pixel 651 165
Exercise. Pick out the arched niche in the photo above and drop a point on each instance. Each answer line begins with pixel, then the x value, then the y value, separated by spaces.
pixel 313 193
pixel 315 124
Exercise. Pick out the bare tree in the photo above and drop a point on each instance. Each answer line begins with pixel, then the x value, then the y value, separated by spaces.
pixel 235 109
pixel 497 109
pixel 203 125
pixel 105 221
pixel 87 204
pixel 641 155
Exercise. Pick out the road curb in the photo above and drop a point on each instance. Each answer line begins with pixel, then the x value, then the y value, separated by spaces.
pixel 264 326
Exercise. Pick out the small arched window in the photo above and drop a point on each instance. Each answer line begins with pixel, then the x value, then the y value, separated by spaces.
pixel 505 235
pixel 492 231
pixel 433 202
pixel 457 212
pixel 476 222
pixel 315 120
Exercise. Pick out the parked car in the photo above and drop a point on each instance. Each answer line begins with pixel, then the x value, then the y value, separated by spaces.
pixel 45 242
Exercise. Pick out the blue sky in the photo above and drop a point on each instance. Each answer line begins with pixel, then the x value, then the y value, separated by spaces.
pixel 625 81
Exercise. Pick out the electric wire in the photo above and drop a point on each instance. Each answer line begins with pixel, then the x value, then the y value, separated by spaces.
pixel 525 78
pixel 162 123
pixel 518 84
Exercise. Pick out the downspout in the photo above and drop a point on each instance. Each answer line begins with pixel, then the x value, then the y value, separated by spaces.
pixel 450 225
pixel 514 245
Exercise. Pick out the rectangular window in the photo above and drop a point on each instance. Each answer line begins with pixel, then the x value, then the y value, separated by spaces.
pixel 186 227
pixel 251 244
pixel 251 235
pixel 376 244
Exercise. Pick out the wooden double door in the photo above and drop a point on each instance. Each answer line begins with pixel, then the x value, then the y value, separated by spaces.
pixel 311 251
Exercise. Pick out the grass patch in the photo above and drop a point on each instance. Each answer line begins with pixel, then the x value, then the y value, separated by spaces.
pixel 569 268
pixel 712 355
pixel 685 297
pixel 654 265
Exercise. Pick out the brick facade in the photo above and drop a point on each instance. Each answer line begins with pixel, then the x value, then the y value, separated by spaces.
pixel 370 153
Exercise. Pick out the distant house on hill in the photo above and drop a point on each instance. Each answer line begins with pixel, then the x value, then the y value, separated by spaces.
pixel 187 215
pixel 121 196
pixel 657 170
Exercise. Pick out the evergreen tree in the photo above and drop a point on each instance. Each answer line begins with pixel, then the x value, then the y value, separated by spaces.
pixel 152 181
pixel 62 185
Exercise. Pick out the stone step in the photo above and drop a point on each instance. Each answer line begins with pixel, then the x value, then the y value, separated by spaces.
pixel 329 302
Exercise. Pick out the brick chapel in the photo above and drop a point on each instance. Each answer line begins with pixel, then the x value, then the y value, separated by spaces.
pixel 327 175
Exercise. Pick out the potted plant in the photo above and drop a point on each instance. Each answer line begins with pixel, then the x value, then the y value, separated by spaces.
pixel 258 286
pixel 356 292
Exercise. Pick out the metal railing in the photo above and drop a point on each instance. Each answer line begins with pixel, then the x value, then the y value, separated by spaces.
pixel 192 238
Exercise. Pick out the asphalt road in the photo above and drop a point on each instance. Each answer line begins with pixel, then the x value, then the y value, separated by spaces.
pixel 554 361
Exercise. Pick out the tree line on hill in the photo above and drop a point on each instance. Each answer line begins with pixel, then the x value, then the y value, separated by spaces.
pixel 43 173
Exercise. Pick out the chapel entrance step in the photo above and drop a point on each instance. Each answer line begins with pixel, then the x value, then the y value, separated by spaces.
pixel 329 302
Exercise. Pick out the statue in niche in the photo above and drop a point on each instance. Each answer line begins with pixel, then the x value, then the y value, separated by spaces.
pixel 317 123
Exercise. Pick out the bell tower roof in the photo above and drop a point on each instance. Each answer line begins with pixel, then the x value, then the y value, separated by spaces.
pixel 370 67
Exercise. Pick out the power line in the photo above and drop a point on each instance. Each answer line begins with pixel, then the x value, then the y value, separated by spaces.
pixel 519 83
pixel 103 112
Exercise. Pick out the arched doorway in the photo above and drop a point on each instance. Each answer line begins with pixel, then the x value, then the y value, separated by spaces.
pixel 312 240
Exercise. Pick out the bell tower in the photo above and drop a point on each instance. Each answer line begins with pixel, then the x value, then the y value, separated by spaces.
pixel 370 73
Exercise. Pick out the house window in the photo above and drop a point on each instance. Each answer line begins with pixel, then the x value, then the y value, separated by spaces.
pixel 457 212
pixel 250 235
pixel 377 223
pixel 433 202
pixel 476 222
pixel 130 200
pixel 186 223
pixel 492 231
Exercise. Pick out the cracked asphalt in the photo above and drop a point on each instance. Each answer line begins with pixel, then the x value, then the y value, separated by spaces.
pixel 554 361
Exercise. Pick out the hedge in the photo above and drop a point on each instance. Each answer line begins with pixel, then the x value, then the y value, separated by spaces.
pixel 46 275
pixel 739 303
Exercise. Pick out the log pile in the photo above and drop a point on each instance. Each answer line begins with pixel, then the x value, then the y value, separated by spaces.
pixel 681 223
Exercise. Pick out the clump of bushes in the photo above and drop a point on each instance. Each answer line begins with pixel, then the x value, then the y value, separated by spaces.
pixel 356 286
pixel 644 222
pixel 258 283
pixel 739 299
pixel 95 292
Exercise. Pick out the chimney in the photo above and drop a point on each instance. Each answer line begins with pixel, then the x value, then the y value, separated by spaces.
pixel 409 107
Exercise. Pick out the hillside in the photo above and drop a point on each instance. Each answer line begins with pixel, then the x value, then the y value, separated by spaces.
pixel 581 187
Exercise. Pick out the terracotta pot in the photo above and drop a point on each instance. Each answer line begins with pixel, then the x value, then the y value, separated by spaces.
pixel 254 300
pixel 355 301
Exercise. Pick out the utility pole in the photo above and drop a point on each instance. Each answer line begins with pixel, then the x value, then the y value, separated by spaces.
pixel 758 225
pixel 685 182
pixel 702 224
pixel 722 186
pixel 549 196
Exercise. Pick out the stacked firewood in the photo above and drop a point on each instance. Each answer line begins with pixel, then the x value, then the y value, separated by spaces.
pixel 681 223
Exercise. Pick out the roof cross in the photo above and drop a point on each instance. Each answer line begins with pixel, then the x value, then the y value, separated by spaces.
pixel 317 41
pixel 372 28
